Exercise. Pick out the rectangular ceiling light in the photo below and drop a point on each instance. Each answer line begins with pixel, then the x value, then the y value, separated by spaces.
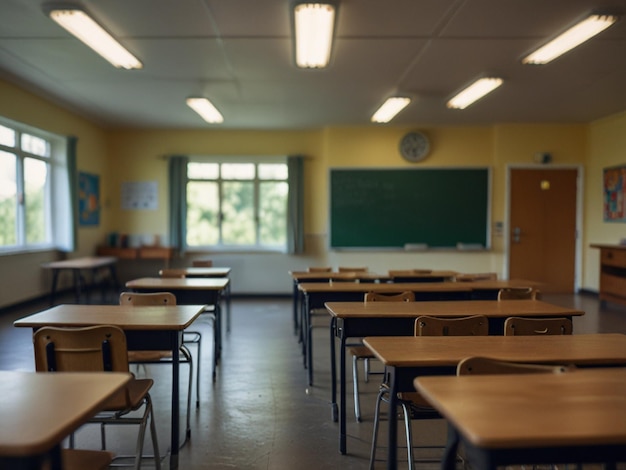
pixel 205 108
pixel 314 24
pixel 78 23
pixel 571 38
pixel 390 108
pixel 474 92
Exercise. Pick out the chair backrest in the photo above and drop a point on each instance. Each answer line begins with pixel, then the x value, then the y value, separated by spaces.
pixel 172 273
pixel 517 293
pixel 91 349
pixel 202 263
pixel 518 326
pixel 475 325
pixel 147 298
pixel 346 269
pixel 99 348
pixel 319 269
pixel 485 366
pixel 407 296
pixel 477 277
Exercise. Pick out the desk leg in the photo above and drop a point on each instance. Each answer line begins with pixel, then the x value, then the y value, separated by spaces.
pixel 53 289
pixel 342 395
pixel 333 370
pixel 448 461
pixel 392 442
pixel 77 284
pixel 175 421
pixel 295 309
pixel 309 341
pixel 228 307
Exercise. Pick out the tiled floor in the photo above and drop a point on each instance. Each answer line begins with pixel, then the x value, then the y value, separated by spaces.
pixel 260 414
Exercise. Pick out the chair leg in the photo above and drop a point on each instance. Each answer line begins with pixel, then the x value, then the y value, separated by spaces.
pixel 366 366
pixel 188 358
pixel 409 434
pixel 355 380
pixel 379 399
pixel 155 441
pixel 195 337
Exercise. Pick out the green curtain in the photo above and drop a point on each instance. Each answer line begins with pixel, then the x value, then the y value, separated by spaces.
pixel 72 180
pixel 295 205
pixel 177 176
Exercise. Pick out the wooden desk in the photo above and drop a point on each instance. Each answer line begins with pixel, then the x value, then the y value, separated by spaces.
pixel 315 295
pixel 306 276
pixel 92 264
pixel 612 273
pixel 417 275
pixel 359 319
pixel 201 290
pixel 146 328
pixel 206 272
pixel 406 358
pixel 38 410
pixel 575 417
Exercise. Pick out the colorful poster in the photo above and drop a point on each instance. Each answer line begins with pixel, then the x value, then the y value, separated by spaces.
pixel 615 194
pixel 88 199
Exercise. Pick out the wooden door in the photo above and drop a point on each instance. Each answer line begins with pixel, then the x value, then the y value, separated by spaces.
pixel 542 243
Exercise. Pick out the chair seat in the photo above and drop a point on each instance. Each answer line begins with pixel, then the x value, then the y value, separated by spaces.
pixel 361 352
pixel 149 356
pixel 130 397
pixel 81 459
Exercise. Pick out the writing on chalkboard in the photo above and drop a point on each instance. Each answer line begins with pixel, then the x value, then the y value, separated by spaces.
pixel 410 209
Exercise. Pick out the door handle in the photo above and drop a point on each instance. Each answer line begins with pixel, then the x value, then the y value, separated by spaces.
pixel 517 233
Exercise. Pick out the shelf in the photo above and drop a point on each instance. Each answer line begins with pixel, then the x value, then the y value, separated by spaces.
pixel 612 273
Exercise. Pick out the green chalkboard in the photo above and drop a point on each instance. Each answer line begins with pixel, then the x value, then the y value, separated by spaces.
pixel 400 208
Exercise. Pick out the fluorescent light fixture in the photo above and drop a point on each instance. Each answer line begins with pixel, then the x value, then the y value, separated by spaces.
pixel 474 92
pixel 314 24
pixel 390 108
pixel 205 108
pixel 78 23
pixel 571 38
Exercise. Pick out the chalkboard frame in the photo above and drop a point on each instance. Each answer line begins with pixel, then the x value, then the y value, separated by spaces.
pixel 481 211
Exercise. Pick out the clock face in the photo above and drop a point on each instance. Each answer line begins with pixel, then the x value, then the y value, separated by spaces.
pixel 414 146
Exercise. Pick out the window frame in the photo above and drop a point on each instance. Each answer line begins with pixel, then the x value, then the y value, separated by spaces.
pixel 256 161
pixel 58 232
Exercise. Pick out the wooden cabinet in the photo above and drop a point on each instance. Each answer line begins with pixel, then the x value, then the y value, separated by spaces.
pixel 144 252
pixel 612 273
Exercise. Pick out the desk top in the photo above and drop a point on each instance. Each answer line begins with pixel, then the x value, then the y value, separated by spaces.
pixel 127 317
pixel 421 273
pixel 452 308
pixel 533 410
pixel 89 262
pixel 303 276
pixel 448 351
pixel 397 287
pixel 187 283
pixel 38 410
pixel 198 271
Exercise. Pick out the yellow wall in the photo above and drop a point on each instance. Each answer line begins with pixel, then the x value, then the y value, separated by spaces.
pixel 607 147
pixel 125 155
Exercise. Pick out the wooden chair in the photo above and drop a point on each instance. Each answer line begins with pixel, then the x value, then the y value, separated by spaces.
pixel 82 459
pixel 100 349
pixel 158 357
pixel 361 352
pixel 202 263
pixel 319 269
pixel 484 365
pixel 413 405
pixel 518 326
pixel 346 269
pixel 518 293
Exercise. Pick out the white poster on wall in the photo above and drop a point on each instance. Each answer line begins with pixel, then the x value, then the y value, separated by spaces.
pixel 140 195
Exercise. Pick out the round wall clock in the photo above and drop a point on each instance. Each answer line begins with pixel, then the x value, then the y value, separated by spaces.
pixel 414 146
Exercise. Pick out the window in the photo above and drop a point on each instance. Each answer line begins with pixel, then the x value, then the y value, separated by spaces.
pixel 237 204
pixel 30 185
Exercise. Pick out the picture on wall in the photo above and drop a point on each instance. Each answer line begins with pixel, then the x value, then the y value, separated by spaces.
pixel 88 199
pixel 615 194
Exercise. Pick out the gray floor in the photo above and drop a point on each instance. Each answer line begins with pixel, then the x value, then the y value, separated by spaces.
pixel 260 414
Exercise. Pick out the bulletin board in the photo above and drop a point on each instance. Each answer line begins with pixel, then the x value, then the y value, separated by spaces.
pixel 400 208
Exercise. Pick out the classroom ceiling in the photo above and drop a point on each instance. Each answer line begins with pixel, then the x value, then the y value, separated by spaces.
pixel 239 53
